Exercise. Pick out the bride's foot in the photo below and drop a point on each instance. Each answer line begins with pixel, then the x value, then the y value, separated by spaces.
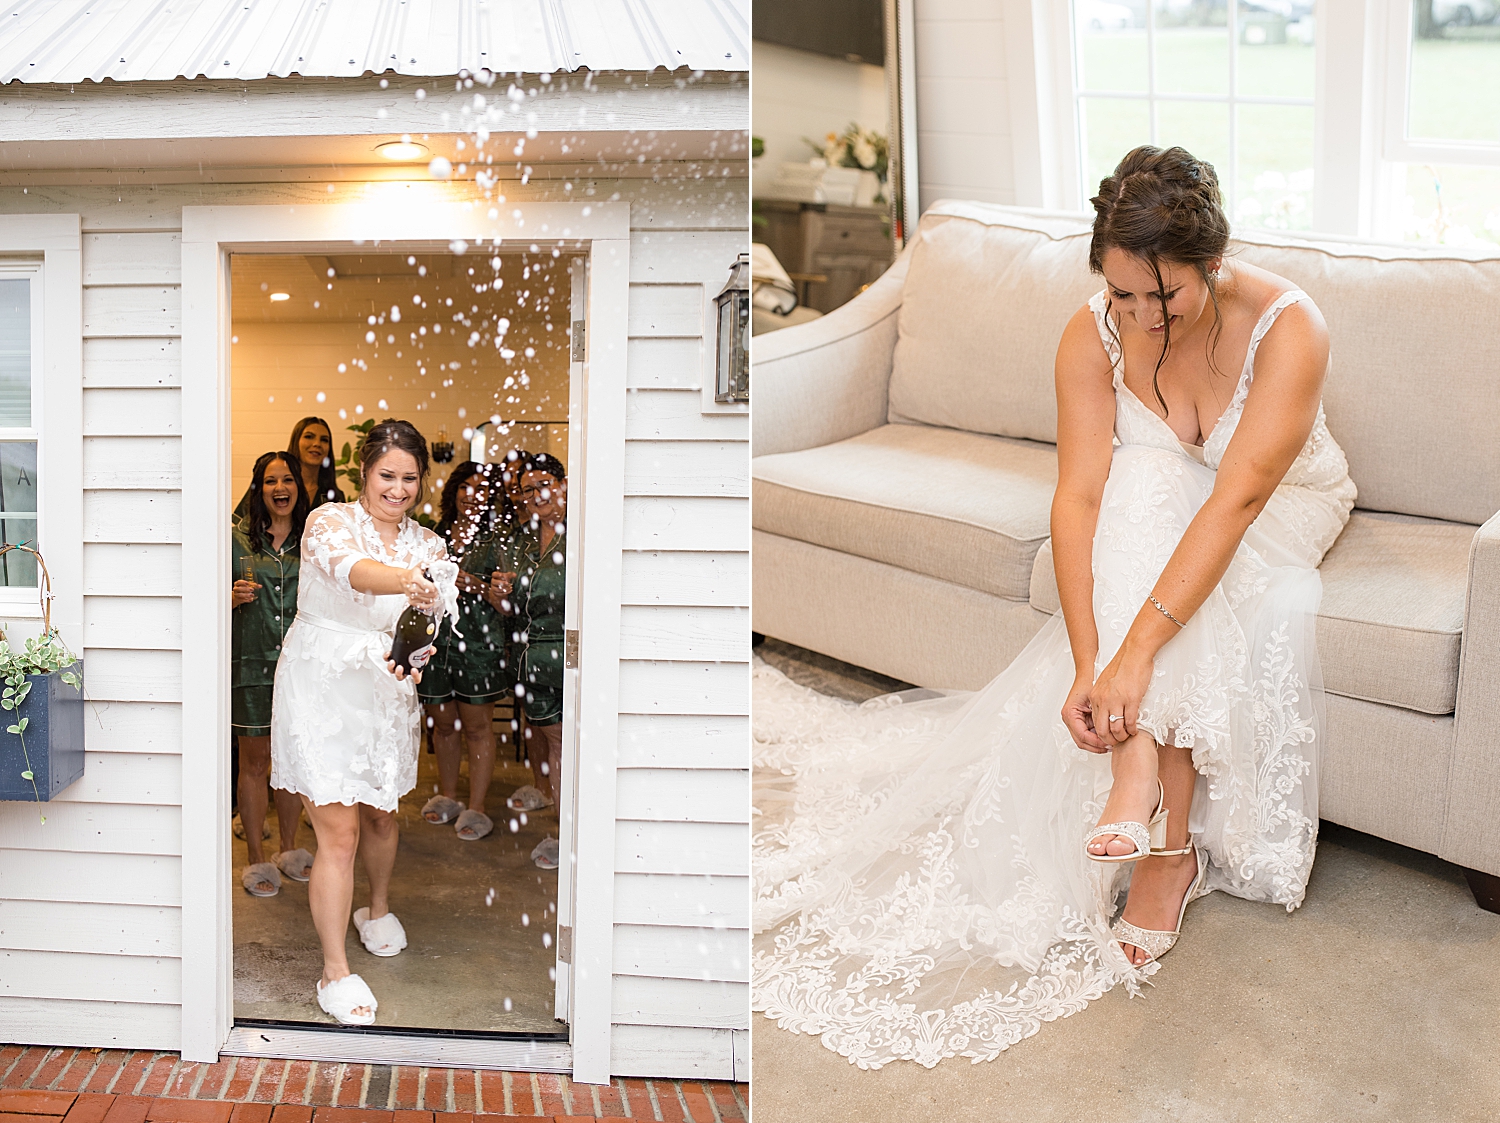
pixel 1157 887
pixel 1132 798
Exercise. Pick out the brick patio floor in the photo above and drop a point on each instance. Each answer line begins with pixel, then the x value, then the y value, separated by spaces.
pixel 61 1085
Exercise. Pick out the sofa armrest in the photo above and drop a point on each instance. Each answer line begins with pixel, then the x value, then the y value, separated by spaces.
pixel 827 379
pixel 1471 832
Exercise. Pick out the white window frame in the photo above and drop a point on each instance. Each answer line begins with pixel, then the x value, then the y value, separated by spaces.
pixel 21 600
pixel 49 247
pixel 1359 110
pixel 601 233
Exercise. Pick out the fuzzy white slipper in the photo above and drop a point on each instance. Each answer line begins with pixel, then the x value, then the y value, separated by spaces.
pixel 238 827
pixel 440 809
pixel 261 873
pixel 340 998
pixel 294 863
pixel 473 825
pixel 528 798
pixel 546 854
pixel 383 936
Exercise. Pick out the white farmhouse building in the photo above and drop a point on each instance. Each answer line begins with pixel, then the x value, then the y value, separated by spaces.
pixel 146 154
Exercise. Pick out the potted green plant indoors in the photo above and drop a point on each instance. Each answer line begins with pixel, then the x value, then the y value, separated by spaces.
pixel 41 726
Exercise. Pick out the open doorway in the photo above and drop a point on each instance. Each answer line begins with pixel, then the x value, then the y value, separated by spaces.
pixel 473 350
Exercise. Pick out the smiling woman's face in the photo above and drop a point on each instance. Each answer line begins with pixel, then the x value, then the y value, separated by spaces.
pixel 278 488
pixel 473 496
pixel 314 445
pixel 1133 293
pixel 545 497
pixel 392 485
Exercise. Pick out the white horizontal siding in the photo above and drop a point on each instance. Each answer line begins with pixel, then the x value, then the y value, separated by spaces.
pixel 684 632
pixel 682 901
pixel 114 828
pixel 677 415
pixel 132 310
pixel 149 463
pixel 90 877
pixel 128 675
pixel 707 795
pixel 665 364
pixel 658 310
pixel 134 412
pixel 98 1025
pixel 684 741
pixel 653 523
pixel 132 516
pixel 714 468
pixel 154 623
pixel 677 1052
pixel 684 688
pixel 132 259
pixel 708 580
pixel 78 976
pixel 154 727
pixel 704 954
pixel 74 926
pixel 132 362
pixel 119 777
pixel 676 1002
pixel 687 847
pixel 126 569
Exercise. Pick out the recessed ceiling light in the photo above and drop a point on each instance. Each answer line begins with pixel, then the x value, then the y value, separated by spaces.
pixel 281 296
pixel 402 150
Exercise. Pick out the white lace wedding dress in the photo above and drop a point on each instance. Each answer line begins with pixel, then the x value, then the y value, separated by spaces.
pixel 343 729
pixel 921 887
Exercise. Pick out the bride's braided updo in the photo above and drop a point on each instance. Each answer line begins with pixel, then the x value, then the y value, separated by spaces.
pixel 1163 204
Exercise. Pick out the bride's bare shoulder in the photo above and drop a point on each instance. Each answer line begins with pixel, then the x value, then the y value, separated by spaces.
pixel 1081 349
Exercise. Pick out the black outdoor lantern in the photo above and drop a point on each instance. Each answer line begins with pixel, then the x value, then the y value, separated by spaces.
pixel 732 371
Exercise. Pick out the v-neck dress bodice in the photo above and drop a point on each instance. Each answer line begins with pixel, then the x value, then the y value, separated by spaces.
pixel 921 886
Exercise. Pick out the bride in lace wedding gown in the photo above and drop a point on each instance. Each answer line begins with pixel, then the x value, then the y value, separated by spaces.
pixel 923 889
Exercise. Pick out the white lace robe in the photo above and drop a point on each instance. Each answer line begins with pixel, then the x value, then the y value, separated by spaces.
pixel 343 729
pixel 921 888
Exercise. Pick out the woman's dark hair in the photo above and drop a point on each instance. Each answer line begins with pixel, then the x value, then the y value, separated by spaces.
pixel 394 436
pixel 1163 205
pixel 257 517
pixel 541 462
pixel 328 484
pixel 448 506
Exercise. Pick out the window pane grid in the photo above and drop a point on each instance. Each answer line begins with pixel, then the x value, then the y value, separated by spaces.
pixel 1201 46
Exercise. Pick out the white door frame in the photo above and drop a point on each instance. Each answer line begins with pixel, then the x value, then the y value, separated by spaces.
pixel 407 218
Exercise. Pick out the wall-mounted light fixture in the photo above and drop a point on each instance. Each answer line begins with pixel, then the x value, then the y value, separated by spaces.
pixel 732 370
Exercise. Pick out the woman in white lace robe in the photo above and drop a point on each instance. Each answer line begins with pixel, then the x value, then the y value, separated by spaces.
pixel 344 723
pixel 923 888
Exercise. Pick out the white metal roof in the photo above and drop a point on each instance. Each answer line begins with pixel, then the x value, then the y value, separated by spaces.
pixel 160 40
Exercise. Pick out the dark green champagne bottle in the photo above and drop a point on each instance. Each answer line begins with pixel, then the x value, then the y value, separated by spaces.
pixel 415 639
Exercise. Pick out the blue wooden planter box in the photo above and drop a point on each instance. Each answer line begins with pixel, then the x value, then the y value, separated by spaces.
pixel 54 738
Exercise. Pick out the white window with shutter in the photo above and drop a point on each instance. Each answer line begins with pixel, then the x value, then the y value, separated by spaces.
pixel 20 374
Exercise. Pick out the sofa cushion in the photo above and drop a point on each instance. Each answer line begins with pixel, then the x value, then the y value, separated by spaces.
pixel 963 507
pixel 1392 617
pixel 987 296
pixel 1411 395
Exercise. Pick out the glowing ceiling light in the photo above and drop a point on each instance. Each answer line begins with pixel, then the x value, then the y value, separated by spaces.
pixel 275 296
pixel 403 149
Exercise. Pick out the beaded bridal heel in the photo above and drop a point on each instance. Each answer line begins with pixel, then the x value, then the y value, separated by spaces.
pixel 1149 837
pixel 1156 944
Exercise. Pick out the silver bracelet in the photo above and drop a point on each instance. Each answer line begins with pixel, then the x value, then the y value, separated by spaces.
pixel 1164 612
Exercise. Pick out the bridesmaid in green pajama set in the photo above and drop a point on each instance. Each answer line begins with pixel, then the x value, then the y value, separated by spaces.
pixel 467 674
pixel 537 590
pixel 265 553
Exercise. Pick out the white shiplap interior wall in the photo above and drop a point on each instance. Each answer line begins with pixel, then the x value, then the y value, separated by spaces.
pixel 964 134
pixel 89 902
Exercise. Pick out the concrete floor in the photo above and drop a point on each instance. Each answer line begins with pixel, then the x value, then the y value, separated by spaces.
pixel 1379 999
pixel 469 954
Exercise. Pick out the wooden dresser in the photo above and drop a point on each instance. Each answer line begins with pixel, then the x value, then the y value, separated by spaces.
pixel 851 246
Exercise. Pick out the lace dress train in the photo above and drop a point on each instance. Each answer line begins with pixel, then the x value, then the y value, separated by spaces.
pixel 921 889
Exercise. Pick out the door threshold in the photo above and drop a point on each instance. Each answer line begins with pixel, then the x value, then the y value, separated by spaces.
pixel 375 1045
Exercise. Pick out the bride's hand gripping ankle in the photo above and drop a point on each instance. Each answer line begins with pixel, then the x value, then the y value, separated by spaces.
pixel 1078 718
pixel 1114 700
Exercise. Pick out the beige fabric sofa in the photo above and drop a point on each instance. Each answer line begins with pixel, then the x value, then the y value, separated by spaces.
pixel 904 465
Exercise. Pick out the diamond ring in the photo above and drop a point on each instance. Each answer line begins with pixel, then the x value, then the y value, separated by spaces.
pixel 1116 717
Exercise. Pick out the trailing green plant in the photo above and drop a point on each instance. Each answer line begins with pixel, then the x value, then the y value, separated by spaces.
pixel 41 655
